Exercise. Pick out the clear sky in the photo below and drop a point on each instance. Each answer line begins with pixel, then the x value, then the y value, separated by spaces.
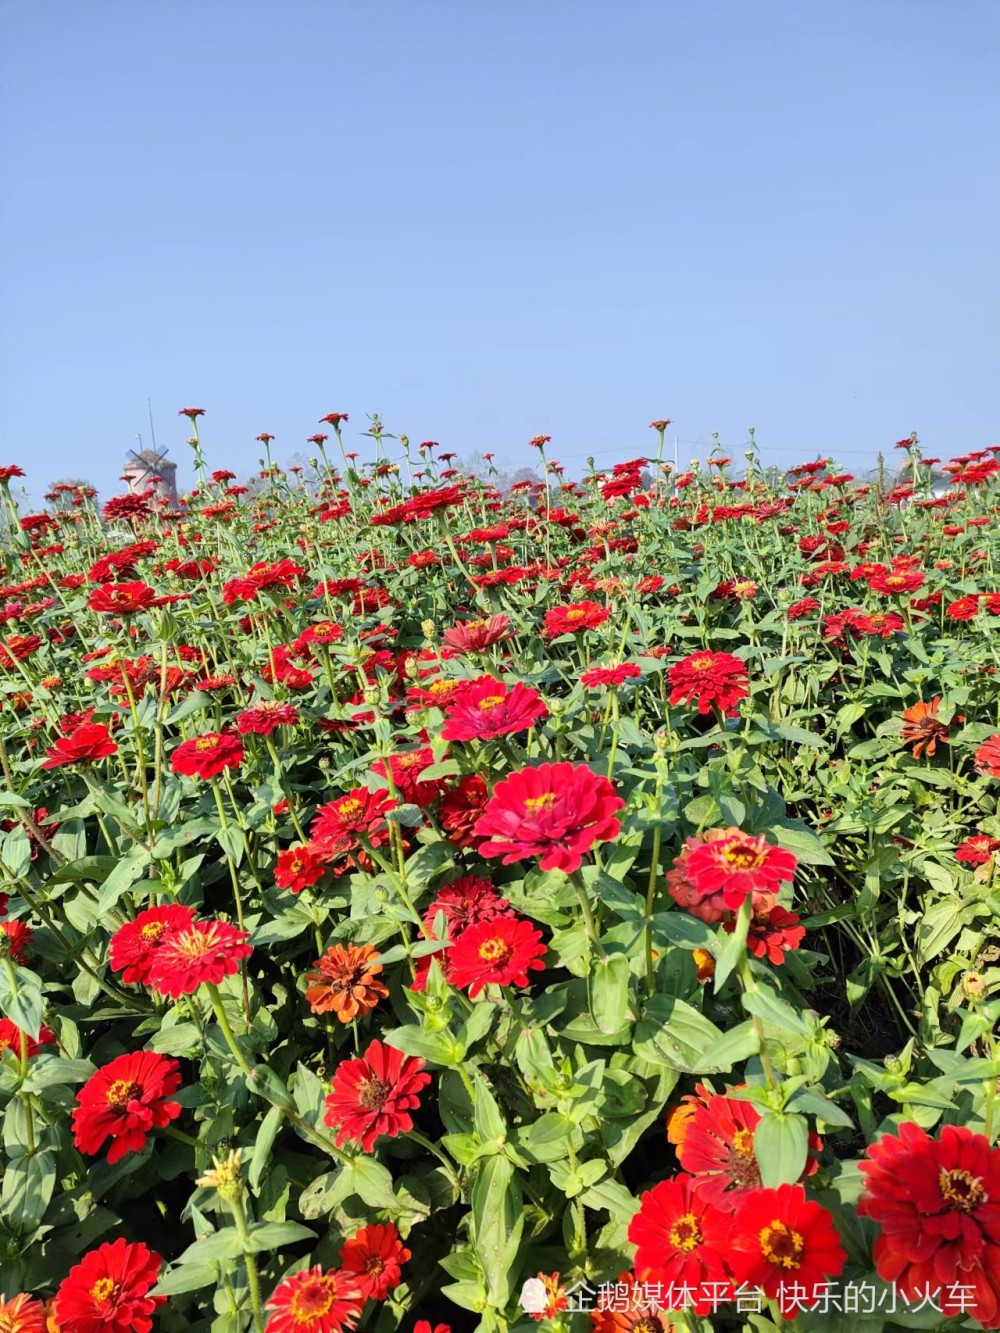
pixel 490 219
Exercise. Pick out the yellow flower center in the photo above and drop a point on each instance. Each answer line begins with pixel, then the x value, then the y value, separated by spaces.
pixel 121 1092
pixel 701 664
pixel 373 1093
pixel 685 1234
pixel 742 857
pixel 542 802
pixel 104 1288
pixel 490 702
pixel 375 1265
pixel 349 809
pixel 781 1246
pixel 313 1300
pixel 962 1190
pixel 743 1142
pixel 575 614
pixel 152 930
pixel 494 950
pixel 205 743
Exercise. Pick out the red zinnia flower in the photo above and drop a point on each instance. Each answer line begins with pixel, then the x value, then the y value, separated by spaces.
pixel 611 677
pixel 204 951
pixel 978 850
pixel 988 757
pixel 778 1240
pixel 406 769
pixel 556 812
pixel 966 608
pixel 123 1101
pixel 134 944
pixel 107 1290
pixel 461 807
pixel 500 952
pixel 359 811
pixel 19 935
pixel 373 1257
pixel 373 1096
pixel 739 865
pixel 12 1039
pixel 312 1301
pixel 207 756
pixel 465 902
pixel 938 1205
pixel 300 867
pixel 625 1307
pixel 122 599
pixel 265 717
pixel 23 1313
pixel 773 931
pixel 485 708
pixel 573 618
pixel 88 743
pixel 680 1238
pixel 896 582
pixel 473 636
pixel 718 679
pixel 423 1326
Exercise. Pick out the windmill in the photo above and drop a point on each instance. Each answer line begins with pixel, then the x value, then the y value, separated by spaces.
pixel 143 465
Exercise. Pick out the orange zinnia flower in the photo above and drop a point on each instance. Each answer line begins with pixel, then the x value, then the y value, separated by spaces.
pixel 922 730
pixel 345 982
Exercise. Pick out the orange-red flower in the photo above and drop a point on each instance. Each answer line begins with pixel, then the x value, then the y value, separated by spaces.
pixel 13 1039
pixel 85 745
pixel 106 1292
pixel 374 1095
pixel 988 757
pixel 314 1301
pixel 133 944
pixel 207 756
pixel 374 1256
pixel 937 1203
pixel 717 680
pixel 737 866
pixel 500 952
pixel 473 636
pixel 486 708
pixel 22 1314
pixel 345 982
pixel 921 728
pixel 573 618
pixel 123 1101
pixel 680 1239
pixel 122 599
pixel 779 1241
pixel 625 1307
pixel 300 867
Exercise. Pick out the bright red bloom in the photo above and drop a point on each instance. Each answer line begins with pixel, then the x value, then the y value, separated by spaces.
pixel 573 618
pixel 88 743
pixel 978 850
pixel 12 1039
pixel 465 902
pixel 312 1301
pixel 805 607
pixel 106 1291
pixel 461 807
pixel 473 636
pixel 134 944
pixel 779 1239
pixel 485 708
pixel 937 1202
pixel 204 951
pixel 374 1095
pixel 373 1256
pixel 500 952
pixel 19 936
pixel 714 679
pixel 359 812
pixel 680 1238
pixel 265 717
pixel 739 865
pixel 207 756
pixel 988 757
pixel 710 907
pixel 966 608
pixel 773 930
pixel 896 582
pixel 423 1326
pixel 717 1147
pixel 123 1101
pixel 300 867
pixel 611 677
pixel 122 599
pixel 23 1313
pixel 556 812
pixel 406 769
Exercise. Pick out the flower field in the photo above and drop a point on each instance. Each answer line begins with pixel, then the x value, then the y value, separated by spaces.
pixel 430 910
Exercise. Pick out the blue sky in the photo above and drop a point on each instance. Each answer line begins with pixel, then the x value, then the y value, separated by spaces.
pixel 490 220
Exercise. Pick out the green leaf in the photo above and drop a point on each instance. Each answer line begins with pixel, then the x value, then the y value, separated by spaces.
pixel 781 1145
pixel 370 1181
pixel 797 837
pixel 28 1183
pixel 489 1122
pixel 733 947
pixel 266 1083
pixel 187 1277
pixel 21 999
pixel 263 1143
pixel 440 1048
pixel 607 988
pixel 671 1033
pixel 273 1235
pixel 769 1006
pixel 497 1223
pixel 121 879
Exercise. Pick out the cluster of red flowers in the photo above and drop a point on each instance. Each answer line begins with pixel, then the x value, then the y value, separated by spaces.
pixel 173 952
